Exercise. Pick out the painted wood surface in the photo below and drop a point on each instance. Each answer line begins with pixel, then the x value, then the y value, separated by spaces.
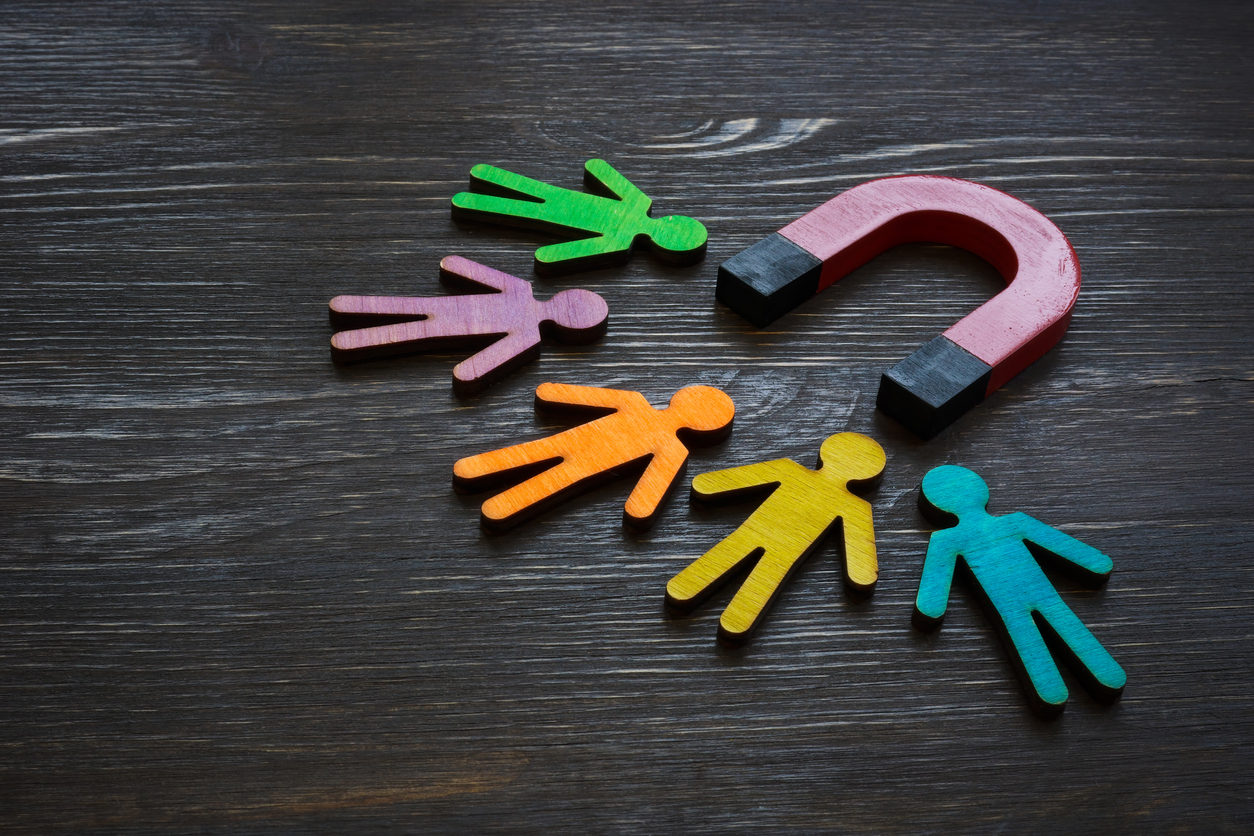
pixel 1005 334
pixel 241 596
pixel 802 508
pixel 610 218
pixel 571 462
pixel 512 318
pixel 1019 600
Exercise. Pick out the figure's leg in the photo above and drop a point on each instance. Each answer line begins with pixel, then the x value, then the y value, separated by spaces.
pixel 364 343
pixel 1031 658
pixel 476 473
pixel 708 573
pixel 1099 671
pixel 488 179
pixel 765 582
pixel 348 312
pixel 583 248
pixel 586 253
pixel 449 322
pixel 502 210
pixel 537 494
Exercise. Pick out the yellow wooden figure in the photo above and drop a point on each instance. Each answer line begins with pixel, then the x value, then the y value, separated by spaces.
pixel 803 506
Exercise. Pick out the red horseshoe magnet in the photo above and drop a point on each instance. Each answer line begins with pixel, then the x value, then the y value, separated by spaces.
pixel 953 372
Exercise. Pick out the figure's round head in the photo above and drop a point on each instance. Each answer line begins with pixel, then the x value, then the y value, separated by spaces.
pixel 859 460
pixel 678 233
pixel 703 410
pixel 577 310
pixel 955 490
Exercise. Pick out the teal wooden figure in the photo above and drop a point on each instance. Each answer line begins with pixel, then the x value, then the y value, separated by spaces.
pixel 607 223
pixel 1020 600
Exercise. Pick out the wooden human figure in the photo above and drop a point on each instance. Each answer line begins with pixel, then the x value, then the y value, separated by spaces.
pixel 607 224
pixel 803 507
pixel 1019 599
pixel 579 458
pixel 512 318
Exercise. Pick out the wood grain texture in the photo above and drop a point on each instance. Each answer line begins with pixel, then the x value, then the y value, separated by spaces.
pixel 240 595
pixel 608 220
pixel 803 507
pixel 1019 599
pixel 512 318
pixel 572 462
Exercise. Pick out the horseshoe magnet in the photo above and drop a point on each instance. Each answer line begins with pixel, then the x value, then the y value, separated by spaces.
pixel 953 372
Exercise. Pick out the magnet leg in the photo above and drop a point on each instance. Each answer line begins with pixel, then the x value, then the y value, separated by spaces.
pixel 768 280
pixel 928 390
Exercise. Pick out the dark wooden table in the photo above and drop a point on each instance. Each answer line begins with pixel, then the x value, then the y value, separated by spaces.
pixel 241 596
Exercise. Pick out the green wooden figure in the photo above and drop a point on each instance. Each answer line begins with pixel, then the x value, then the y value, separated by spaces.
pixel 1021 602
pixel 607 223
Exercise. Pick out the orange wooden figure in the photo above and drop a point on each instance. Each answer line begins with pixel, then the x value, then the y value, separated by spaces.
pixel 630 431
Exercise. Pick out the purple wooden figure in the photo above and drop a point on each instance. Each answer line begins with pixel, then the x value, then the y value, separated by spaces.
pixel 401 324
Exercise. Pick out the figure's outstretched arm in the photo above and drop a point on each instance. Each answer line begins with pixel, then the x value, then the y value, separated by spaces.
pixel 861 566
pixel 481 274
pixel 498 359
pixel 1082 560
pixel 735 483
pixel 938 573
pixel 558 396
pixel 655 483
pixel 600 176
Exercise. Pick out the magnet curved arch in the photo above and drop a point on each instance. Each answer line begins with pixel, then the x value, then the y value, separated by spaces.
pixel 977 355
